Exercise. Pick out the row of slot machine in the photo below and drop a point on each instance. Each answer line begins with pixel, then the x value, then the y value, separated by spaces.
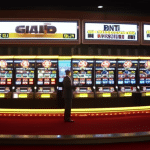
pixel 92 78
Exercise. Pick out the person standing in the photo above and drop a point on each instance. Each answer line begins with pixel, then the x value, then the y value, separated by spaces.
pixel 68 95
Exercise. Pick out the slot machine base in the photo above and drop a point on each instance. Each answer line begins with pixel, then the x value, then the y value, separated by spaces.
pixel 83 95
pixel 108 94
pixel 144 94
pixel 125 94
pixel 45 95
pixel 6 95
pixel 23 95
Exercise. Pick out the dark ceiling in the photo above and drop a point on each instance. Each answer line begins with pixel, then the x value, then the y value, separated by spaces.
pixel 128 6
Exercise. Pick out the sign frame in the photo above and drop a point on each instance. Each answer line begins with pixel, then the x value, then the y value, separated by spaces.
pixel 144 42
pixel 42 41
pixel 111 42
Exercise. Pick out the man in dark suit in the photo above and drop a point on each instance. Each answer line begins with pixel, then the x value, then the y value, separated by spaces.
pixel 67 95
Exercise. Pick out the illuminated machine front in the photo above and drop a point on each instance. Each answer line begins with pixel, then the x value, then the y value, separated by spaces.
pixel 144 77
pixel 24 78
pixel 127 77
pixel 6 78
pixel 105 78
pixel 47 73
pixel 83 78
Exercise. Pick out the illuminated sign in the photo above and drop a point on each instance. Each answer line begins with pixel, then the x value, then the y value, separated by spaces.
pixel 146 32
pixel 105 31
pixel 110 32
pixel 39 30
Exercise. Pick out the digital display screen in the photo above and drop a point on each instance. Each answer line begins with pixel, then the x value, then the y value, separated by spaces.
pixel 105 89
pixel 23 89
pixel 83 89
pixel 46 72
pixel 46 89
pixel 127 70
pixel 82 71
pixel 105 72
pixel 25 72
pixel 6 72
pixel 144 72
pixel 128 89
pixel 63 66
pixel 37 30
pixel 146 29
pixel 111 31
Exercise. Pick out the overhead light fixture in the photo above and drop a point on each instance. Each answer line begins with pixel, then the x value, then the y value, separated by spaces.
pixel 100 6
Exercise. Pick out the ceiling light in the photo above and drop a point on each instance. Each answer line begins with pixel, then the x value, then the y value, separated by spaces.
pixel 100 6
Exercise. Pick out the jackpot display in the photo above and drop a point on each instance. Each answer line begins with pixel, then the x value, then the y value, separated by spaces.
pixel 97 32
pixel 33 31
pixel 110 31
pixel 146 29
pixel 83 77
pixel 46 77
pixel 6 78
pixel 24 78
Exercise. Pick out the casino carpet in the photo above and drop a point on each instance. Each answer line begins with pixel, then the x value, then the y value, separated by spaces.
pixel 82 125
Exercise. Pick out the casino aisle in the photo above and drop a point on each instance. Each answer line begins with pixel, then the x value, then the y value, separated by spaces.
pixel 102 125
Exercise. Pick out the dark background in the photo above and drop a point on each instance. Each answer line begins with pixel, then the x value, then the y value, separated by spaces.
pixel 117 10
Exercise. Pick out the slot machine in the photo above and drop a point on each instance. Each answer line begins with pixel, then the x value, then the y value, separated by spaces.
pixel 105 78
pixel 24 78
pixel 6 78
pixel 127 77
pixel 83 78
pixel 144 77
pixel 47 75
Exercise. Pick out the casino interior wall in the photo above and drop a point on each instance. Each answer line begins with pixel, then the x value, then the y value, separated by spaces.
pixel 67 50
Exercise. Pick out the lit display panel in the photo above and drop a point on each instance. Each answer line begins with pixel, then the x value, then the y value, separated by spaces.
pixel 25 72
pixel 63 65
pixel 6 72
pixel 82 72
pixel 47 72
pixel 144 72
pixel 45 31
pixel 105 72
pixel 127 72
pixel 123 33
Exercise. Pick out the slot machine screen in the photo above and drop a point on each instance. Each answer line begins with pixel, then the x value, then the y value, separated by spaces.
pixel 105 72
pixel 46 72
pixel 144 72
pixel 25 70
pixel 63 65
pixel 6 72
pixel 127 70
pixel 82 72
